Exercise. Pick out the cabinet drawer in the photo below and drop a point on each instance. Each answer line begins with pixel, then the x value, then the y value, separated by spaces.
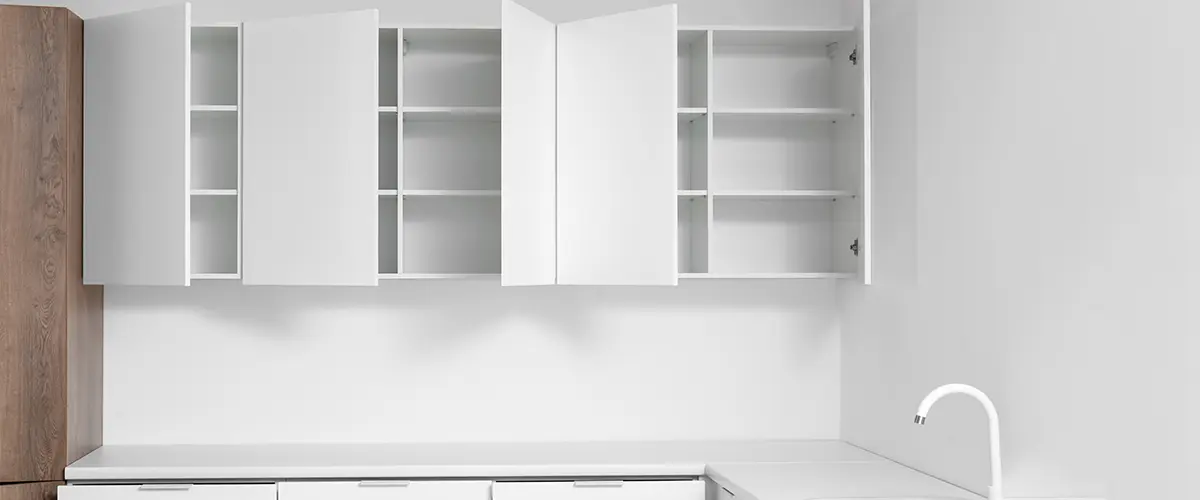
pixel 385 490
pixel 169 492
pixel 600 490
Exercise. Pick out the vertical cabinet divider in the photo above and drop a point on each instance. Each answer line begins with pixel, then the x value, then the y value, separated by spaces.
pixel 400 49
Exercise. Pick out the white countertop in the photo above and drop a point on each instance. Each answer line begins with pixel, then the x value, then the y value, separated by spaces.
pixel 765 470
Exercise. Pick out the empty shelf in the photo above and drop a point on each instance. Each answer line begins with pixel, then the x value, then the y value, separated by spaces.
pixel 216 276
pixel 388 109
pixel 785 113
pixel 450 113
pixel 778 35
pixel 214 192
pixel 438 276
pixel 452 192
pixel 214 107
pixel 783 194
pixel 689 114
pixel 766 276
pixel 692 193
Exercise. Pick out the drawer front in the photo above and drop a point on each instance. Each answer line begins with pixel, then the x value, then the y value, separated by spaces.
pixel 169 492
pixel 385 490
pixel 600 490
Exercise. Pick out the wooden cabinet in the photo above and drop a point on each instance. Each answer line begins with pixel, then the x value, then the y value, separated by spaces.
pixel 168 492
pixel 385 490
pixel 51 325
pixel 600 490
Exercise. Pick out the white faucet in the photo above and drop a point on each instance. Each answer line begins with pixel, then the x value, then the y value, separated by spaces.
pixel 994 491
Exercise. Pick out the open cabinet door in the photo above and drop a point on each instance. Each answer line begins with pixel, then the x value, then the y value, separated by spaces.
pixel 136 155
pixel 310 150
pixel 527 145
pixel 617 149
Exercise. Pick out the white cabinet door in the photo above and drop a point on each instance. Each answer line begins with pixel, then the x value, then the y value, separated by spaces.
pixel 137 167
pixel 527 137
pixel 386 490
pixel 169 492
pixel 310 150
pixel 616 206
pixel 600 490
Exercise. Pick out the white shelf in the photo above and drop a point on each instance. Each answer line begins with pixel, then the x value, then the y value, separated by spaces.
pixel 389 109
pixel 388 192
pixel 216 276
pixel 785 113
pixel 788 36
pixel 438 276
pixel 766 276
pixel 452 192
pixel 214 108
pixel 214 192
pixel 692 193
pixel 451 113
pixel 782 194
pixel 691 113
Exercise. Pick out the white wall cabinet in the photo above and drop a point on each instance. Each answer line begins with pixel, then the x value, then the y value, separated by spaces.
pixel 588 184
pixel 168 492
pixel 385 490
pixel 600 490
pixel 620 150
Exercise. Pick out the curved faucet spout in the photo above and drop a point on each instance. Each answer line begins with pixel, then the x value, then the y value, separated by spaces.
pixel 994 491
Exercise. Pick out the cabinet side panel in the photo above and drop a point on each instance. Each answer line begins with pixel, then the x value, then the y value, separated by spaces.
pixel 527 135
pixel 35 233
pixel 29 491
pixel 136 96
pixel 85 303
pixel 617 149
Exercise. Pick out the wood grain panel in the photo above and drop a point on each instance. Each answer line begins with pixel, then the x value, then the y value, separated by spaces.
pixel 85 304
pixel 40 239
pixel 30 491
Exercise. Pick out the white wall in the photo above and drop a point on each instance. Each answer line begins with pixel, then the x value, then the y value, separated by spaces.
pixel 469 361
pixel 1037 237
pixel 466 361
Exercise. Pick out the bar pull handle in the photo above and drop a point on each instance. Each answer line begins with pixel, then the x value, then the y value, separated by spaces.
pixel 599 484
pixel 384 484
pixel 164 487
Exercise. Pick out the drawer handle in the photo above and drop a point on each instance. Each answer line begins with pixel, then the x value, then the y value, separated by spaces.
pixel 164 487
pixel 599 484
pixel 384 484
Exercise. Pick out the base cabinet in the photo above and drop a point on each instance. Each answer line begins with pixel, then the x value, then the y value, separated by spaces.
pixel 385 490
pixel 169 492
pixel 600 490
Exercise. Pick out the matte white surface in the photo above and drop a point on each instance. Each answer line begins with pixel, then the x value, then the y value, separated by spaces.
pixel 971 292
pixel 415 361
pixel 136 148
pixel 171 492
pixel 830 480
pixel 214 150
pixel 310 177
pixel 214 234
pixel 452 154
pixel 671 458
pixel 631 490
pixel 616 205
pixel 770 236
pixel 214 66
pixel 528 133
pixel 382 490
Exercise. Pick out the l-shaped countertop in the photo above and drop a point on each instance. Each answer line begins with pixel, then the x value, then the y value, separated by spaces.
pixel 754 470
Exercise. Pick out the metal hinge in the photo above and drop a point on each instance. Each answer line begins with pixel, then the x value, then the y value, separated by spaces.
pixel 854 56
pixel 854 247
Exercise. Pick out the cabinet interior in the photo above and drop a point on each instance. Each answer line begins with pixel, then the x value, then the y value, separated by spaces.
pixel 770 153
pixel 215 136
pixel 439 168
